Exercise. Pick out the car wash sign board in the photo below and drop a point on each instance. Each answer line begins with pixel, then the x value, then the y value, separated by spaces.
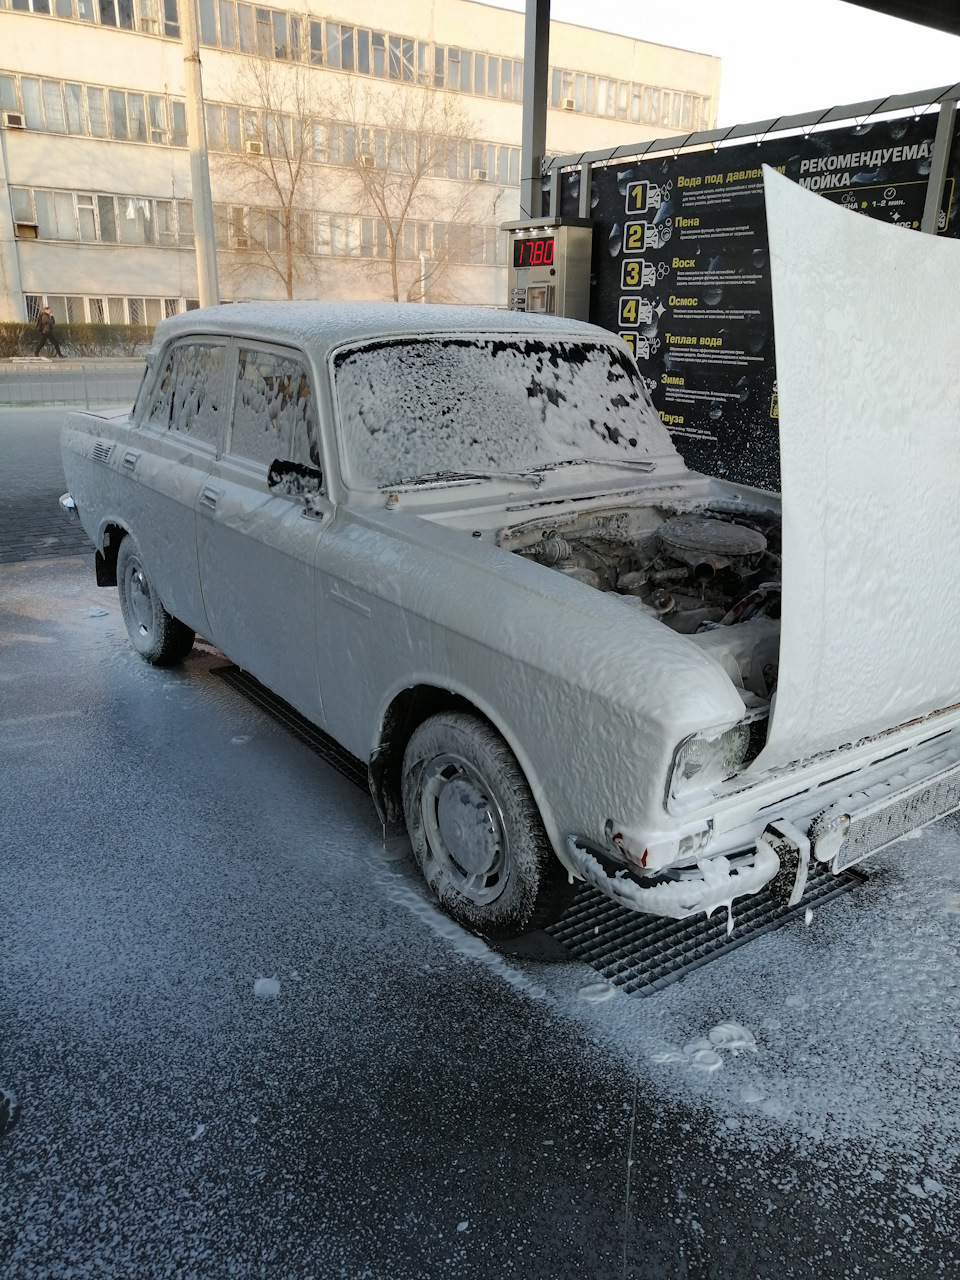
pixel 681 271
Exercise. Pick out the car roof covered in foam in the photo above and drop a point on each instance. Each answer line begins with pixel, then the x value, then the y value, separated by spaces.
pixel 320 327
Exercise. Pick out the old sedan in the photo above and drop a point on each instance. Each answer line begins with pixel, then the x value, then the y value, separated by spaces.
pixel 462 543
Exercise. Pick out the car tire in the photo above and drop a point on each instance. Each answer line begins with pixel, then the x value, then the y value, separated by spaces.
pixel 495 873
pixel 155 634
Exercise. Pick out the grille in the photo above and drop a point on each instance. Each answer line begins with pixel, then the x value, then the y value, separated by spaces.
pixel 102 450
pixel 643 954
pixel 325 746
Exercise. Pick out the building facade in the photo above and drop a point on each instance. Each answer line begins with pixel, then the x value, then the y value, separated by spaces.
pixel 348 157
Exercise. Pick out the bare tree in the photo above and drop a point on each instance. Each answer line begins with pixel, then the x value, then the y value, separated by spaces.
pixel 402 146
pixel 282 115
pixel 397 162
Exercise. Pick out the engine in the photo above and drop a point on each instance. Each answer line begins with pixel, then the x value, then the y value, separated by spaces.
pixel 694 571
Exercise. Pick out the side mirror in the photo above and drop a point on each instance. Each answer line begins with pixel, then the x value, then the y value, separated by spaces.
pixel 295 480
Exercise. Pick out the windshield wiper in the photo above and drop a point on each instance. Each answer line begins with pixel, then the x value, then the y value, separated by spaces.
pixel 445 477
pixel 637 464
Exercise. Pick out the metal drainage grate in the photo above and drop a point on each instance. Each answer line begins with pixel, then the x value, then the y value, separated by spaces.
pixel 325 746
pixel 642 954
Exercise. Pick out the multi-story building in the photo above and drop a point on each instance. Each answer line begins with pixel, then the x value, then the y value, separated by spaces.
pixel 316 122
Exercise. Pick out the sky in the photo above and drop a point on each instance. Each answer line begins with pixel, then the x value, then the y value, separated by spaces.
pixel 782 57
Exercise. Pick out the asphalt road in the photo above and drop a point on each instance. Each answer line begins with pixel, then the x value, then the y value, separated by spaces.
pixel 236 1040
pixel 31 482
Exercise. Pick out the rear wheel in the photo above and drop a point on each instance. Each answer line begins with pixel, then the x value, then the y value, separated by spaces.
pixel 476 831
pixel 155 634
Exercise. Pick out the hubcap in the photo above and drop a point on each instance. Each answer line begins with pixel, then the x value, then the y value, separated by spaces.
pixel 464 828
pixel 138 594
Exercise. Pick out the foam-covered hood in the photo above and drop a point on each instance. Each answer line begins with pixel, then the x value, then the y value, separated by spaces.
pixel 867 324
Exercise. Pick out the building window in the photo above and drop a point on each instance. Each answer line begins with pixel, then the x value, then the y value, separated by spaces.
pixel 281 45
pixel 32 105
pixel 363 52
pixel 22 205
pixel 208 22
pixel 118 114
pixel 98 112
pixel 378 47
pixel 73 103
pixel 264 33
pixel 179 124
pixel 86 217
pixel 166 224
pixel 228 24
pixel 56 217
pixel 137 117
pixel 246 29
pixel 158 119
pixel 106 214
pixel 316 43
pixel 185 224
pixel 117 13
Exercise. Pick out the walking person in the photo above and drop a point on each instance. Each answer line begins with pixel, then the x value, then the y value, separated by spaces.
pixel 45 323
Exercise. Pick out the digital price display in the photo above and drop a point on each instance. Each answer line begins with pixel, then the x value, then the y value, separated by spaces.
pixel 534 252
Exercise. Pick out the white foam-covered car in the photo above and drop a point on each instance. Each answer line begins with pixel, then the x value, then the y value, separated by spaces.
pixel 462 543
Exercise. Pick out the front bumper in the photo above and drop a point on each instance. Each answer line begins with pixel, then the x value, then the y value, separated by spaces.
pixel 69 508
pixel 849 828
pixel 682 891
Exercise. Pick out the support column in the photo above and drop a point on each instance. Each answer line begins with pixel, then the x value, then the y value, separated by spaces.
pixel 939 163
pixel 203 235
pixel 12 306
pixel 533 137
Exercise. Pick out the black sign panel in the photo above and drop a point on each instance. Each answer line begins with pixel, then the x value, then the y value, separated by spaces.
pixel 680 270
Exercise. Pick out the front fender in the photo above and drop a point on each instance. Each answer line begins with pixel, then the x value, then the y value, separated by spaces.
pixel 591 696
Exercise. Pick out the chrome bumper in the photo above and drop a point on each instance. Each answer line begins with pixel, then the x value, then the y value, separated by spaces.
pixel 69 508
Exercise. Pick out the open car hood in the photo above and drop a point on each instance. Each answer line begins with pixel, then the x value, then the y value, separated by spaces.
pixel 867 323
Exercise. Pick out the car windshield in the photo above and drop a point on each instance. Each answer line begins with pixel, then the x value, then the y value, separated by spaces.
pixel 423 407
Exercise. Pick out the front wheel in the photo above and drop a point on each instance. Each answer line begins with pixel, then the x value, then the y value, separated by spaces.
pixel 154 633
pixel 476 831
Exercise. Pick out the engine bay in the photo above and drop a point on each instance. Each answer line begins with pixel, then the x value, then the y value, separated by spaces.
pixel 698 572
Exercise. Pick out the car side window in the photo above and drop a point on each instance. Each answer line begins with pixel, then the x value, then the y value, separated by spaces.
pixel 274 414
pixel 189 393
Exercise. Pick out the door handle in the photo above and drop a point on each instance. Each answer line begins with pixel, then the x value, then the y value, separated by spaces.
pixel 351 602
pixel 130 459
pixel 209 496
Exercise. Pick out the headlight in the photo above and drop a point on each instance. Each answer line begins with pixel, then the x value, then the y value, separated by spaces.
pixel 702 761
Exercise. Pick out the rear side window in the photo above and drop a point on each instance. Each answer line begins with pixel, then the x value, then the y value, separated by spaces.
pixel 189 393
pixel 274 415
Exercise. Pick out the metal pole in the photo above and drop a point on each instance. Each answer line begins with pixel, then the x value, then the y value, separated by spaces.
pixel 199 169
pixel 586 188
pixel 533 135
pixel 86 394
pixel 423 277
pixel 938 166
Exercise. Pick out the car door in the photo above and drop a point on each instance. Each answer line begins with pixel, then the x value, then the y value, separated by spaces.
pixel 257 544
pixel 164 463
